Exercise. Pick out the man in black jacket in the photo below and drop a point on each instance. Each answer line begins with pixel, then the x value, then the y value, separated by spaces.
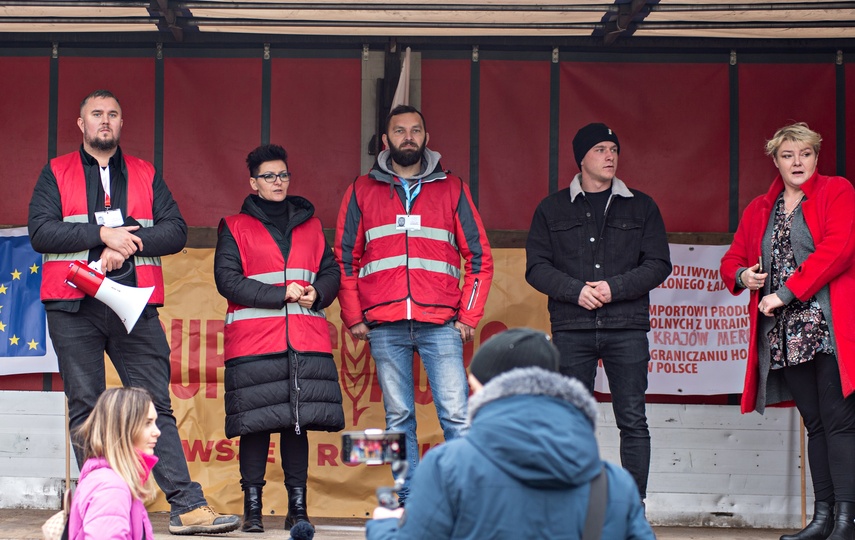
pixel 597 249
pixel 97 204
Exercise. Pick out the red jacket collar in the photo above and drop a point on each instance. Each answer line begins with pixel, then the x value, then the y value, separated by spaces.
pixel 778 186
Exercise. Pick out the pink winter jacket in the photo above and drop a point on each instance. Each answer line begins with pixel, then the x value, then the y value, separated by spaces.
pixel 102 507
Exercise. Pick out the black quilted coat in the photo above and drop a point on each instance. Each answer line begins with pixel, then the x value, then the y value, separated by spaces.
pixel 298 390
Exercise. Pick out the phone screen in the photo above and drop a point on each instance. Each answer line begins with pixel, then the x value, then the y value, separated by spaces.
pixel 373 447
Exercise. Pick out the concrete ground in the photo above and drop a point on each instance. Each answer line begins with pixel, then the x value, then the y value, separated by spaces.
pixel 26 524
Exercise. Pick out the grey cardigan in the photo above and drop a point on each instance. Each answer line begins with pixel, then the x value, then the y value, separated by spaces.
pixel 772 388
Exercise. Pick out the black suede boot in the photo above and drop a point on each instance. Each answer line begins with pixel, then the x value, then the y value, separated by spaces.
pixel 844 527
pixel 819 527
pixel 296 506
pixel 252 510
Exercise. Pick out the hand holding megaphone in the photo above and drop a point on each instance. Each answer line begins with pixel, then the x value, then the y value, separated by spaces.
pixel 127 302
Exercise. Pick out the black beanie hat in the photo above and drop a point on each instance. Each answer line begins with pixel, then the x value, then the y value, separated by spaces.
pixel 590 136
pixel 514 348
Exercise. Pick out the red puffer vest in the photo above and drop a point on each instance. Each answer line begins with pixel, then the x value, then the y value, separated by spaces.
pixel 253 331
pixel 71 181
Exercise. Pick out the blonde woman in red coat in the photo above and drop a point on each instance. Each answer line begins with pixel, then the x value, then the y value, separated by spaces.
pixel 794 251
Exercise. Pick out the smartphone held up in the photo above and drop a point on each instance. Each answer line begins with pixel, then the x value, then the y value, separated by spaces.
pixel 373 446
pixel 378 447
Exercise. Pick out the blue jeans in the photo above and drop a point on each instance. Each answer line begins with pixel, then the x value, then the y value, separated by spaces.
pixel 441 349
pixel 141 359
pixel 625 355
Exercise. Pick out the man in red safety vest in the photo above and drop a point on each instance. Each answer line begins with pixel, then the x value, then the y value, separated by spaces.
pixel 402 230
pixel 98 204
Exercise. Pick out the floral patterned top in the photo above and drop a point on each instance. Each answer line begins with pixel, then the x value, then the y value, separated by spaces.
pixel 800 330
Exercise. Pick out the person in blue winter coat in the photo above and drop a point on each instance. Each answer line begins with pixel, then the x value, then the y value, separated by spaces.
pixel 525 468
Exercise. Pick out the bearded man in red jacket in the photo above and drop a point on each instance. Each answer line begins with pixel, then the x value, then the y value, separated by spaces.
pixel 401 232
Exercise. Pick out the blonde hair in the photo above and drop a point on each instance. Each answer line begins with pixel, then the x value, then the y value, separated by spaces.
pixel 798 133
pixel 117 420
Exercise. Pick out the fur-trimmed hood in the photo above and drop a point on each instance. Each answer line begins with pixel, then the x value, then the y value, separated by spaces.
pixel 522 470
pixel 538 427
pixel 537 382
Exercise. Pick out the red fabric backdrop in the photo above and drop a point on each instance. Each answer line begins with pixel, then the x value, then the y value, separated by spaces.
pixel 446 105
pixel 315 115
pixel 130 79
pixel 212 118
pixel 514 127
pixel 769 101
pixel 672 123
pixel 24 117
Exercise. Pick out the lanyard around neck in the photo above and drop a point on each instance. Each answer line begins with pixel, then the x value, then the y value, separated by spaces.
pixel 105 183
pixel 410 191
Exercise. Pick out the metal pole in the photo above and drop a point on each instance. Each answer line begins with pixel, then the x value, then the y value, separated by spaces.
pixel 65 499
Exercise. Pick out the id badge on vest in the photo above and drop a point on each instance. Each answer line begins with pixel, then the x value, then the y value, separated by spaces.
pixel 404 222
pixel 110 218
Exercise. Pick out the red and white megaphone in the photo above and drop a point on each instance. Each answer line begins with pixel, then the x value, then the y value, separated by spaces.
pixel 127 302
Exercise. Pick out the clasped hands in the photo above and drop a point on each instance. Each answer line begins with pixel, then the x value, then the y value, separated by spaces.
pixel 594 294
pixel 305 296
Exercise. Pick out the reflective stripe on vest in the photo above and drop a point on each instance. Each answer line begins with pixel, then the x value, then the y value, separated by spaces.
pixel 291 274
pixel 68 257
pixel 71 182
pixel 291 308
pixel 251 331
pixel 431 233
pixel 412 263
pixel 397 265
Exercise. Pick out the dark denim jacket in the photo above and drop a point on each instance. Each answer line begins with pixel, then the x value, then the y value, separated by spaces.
pixel 564 250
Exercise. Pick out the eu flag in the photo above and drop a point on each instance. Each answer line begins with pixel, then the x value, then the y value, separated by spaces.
pixel 22 317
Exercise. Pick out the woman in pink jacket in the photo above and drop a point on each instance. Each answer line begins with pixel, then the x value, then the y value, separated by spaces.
pixel 794 251
pixel 119 438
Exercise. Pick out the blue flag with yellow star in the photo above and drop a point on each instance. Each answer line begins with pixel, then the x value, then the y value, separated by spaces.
pixel 23 325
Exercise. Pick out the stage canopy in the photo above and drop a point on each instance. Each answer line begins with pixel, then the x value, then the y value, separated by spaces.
pixel 607 21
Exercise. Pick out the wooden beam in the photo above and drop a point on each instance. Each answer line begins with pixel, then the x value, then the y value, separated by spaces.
pixel 168 18
pixel 618 24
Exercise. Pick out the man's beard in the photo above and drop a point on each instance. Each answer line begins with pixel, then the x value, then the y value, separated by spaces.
pixel 103 145
pixel 407 157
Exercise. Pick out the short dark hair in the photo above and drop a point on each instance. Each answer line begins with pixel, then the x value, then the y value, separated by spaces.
pixel 402 109
pixel 264 153
pixel 98 94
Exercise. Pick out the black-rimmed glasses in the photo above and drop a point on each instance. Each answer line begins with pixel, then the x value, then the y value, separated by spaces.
pixel 284 176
